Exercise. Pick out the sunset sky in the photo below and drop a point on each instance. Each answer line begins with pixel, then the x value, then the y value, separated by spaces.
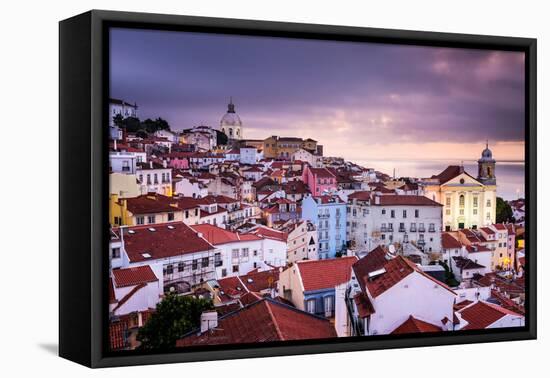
pixel 361 101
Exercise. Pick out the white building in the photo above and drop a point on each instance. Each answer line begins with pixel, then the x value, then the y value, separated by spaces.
pixel 135 289
pixel 316 161
pixel 122 108
pixel 186 260
pixel 248 155
pixel 468 202
pixel 242 253
pixel 394 219
pixel 170 136
pixel 385 291
pixel 155 178
pixel 123 162
pixel 190 187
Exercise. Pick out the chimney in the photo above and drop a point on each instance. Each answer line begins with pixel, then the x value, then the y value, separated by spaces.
pixel 151 164
pixel 377 200
pixel 209 320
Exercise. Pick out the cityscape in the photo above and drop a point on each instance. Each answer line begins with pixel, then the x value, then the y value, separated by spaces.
pixel 230 231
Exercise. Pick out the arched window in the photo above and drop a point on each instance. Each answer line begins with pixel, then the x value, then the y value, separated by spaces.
pixel 230 132
pixel 489 174
pixel 237 132
pixel 461 200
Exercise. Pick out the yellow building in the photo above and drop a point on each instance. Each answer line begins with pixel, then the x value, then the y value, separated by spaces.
pixel 468 202
pixel 152 209
pixel 284 147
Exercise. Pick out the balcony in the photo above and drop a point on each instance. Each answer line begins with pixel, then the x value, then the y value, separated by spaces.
pixel 413 229
pixel 324 216
pixel 402 229
pixel 383 229
pixel 421 229
pixel 431 229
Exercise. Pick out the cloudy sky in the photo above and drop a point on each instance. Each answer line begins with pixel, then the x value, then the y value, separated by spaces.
pixel 361 101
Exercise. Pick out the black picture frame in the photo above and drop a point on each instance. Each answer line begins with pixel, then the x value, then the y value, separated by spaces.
pixel 83 196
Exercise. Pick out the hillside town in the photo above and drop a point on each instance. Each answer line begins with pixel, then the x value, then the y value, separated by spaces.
pixel 285 243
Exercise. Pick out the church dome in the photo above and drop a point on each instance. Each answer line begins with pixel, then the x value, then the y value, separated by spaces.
pixel 486 154
pixel 231 118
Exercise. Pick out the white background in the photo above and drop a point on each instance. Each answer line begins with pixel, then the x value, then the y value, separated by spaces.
pixel 29 184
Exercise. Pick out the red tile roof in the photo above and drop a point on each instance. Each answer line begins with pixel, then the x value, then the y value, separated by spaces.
pixel 395 270
pixel 167 240
pixel 364 305
pixel 450 173
pixel 487 230
pixel 404 200
pixel 217 236
pixel 151 203
pixel 360 196
pixel 481 315
pixel 259 281
pixel 133 276
pixel 413 325
pixel 117 335
pixel 263 321
pixel 448 241
pixel 500 226
pixel 269 233
pixel 322 172
pixel 325 274
pixel 231 288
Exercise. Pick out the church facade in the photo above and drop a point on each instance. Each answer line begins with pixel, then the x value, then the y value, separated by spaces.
pixel 468 202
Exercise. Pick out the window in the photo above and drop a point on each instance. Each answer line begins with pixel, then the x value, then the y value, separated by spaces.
pixel 181 267
pixel 416 213
pixel 117 220
pixel 224 272
pixel 392 213
pixel 156 180
pixel 140 220
pixel 329 305
pixel 218 259
pixel 235 269
pixel 404 213
pixel 151 219
pixel 115 253
pixel 169 269
pixel 170 216
pixel 461 200
pixel 310 306
pixel 488 203
pixel 195 264
pixel 475 201
pixel 235 253
pixel 383 211
pixel 475 212
pixel 244 253
pixel 447 211
pixel 448 201
pixel 205 262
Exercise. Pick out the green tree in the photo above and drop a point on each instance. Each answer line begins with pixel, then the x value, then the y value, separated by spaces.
pixel 174 317
pixel 504 212
pixel 221 138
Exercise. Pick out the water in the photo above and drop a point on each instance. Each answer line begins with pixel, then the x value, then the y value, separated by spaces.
pixel 510 174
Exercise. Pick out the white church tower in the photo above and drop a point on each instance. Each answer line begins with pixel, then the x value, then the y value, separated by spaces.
pixel 231 124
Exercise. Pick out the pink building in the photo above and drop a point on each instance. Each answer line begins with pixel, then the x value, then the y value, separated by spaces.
pixel 177 160
pixel 319 180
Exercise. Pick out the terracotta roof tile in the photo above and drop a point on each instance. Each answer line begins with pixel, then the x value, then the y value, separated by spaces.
pixel 167 240
pixel 325 274
pixel 262 321
pixel 133 276
pixel 413 325
pixel 481 315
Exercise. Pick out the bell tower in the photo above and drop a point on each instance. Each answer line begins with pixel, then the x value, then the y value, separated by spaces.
pixel 486 167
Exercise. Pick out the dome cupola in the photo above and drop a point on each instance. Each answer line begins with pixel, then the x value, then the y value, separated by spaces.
pixel 231 124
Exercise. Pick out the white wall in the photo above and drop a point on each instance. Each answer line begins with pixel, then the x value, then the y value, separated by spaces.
pixel 414 295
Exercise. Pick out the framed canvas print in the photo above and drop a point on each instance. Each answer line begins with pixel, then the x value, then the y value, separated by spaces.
pixel 234 188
